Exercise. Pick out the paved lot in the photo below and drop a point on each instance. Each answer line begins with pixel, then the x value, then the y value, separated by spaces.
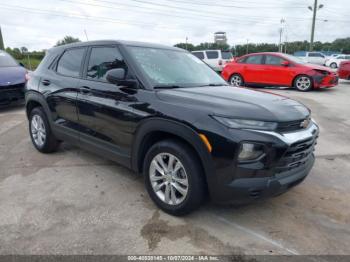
pixel 73 202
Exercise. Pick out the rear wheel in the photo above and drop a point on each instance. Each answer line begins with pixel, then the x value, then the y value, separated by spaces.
pixel 173 177
pixel 333 65
pixel 40 131
pixel 236 80
pixel 303 83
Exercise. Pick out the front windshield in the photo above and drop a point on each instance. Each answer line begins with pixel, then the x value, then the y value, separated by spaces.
pixel 6 60
pixel 294 59
pixel 165 67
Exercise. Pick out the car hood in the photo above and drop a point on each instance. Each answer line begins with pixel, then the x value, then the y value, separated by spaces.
pixel 236 102
pixel 12 75
pixel 318 67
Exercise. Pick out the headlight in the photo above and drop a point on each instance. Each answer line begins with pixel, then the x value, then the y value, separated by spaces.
pixel 250 151
pixel 245 123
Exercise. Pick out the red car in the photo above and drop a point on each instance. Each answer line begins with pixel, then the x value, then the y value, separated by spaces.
pixel 277 69
pixel 344 70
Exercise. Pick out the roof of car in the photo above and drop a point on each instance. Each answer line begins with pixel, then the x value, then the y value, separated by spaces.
pixel 114 42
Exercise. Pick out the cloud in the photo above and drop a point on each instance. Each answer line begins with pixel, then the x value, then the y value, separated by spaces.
pixel 39 24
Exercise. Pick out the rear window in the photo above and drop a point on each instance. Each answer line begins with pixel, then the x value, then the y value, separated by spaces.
pixel 199 55
pixel 226 55
pixel 6 60
pixel 70 62
pixel 212 54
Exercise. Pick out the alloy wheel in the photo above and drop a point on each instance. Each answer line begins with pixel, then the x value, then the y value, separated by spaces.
pixel 168 178
pixel 303 83
pixel 236 80
pixel 38 130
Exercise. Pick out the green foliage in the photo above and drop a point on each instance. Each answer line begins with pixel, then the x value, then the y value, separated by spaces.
pixel 30 64
pixel 67 40
pixel 339 45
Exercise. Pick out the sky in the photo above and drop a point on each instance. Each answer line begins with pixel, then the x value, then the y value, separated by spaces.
pixel 39 24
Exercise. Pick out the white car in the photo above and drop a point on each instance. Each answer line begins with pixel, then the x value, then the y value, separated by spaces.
pixel 316 58
pixel 334 62
pixel 216 59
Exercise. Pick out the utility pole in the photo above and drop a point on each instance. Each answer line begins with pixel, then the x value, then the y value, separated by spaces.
pixel 314 9
pixel 280 47
pixel 2 46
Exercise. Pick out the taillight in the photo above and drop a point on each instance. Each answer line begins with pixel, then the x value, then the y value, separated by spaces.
pixel 27 76
pixel 220 62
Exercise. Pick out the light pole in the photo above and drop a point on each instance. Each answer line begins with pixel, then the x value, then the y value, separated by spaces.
pixel 247 46
pixel 314 9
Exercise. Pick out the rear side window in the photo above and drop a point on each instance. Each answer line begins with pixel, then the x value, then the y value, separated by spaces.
pixel 212 54
pixel 315 55
pixel 70 62
pixel 103 59
pixel 254 59
pixel 200 55
pixel 226 55
pixel 273 60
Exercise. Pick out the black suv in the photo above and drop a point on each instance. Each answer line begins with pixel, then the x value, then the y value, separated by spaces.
pixel 162 112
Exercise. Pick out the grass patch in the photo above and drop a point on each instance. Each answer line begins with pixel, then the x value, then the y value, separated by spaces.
pixel 32 64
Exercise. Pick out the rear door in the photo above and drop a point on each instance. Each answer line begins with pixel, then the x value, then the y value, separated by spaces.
pixel 275 73
pixel 253 69
pixel 59 84
pixel 105 110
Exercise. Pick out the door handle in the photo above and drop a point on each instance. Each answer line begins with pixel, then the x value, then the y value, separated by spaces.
pixel 85 89
pixel 46 82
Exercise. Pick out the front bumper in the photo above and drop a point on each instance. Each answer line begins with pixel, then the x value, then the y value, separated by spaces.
pixel 11 94
pixel 326 81
pixel 297 159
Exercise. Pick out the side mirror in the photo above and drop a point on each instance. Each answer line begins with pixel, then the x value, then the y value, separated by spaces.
pixel 117 76
pixel 21 64
pixel 285 63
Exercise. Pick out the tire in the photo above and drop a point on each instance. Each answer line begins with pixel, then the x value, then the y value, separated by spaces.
pixel 333 65
pixel 190 171
pixel 40 131
pixel 236 80
pixel 303 83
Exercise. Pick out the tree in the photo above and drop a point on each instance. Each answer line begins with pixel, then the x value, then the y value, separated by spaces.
pixel 186 46
pixel 67 40
pixel 24 50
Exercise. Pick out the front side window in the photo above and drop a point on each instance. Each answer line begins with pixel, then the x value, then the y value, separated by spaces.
pixel 70 62
pixel 315 55
pixel 200 55
pixel 273 60
pixel 6 60
pixel 226 55
pixel 167 67
pixel 103 59
pixel 254 59
pixel 212 54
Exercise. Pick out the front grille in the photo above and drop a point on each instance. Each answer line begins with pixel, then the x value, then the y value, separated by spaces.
pixel 11 93
pixel 297 155
pixel 290 126
pixel 12 87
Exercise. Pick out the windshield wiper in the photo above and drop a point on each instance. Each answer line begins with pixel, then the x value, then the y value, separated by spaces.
pixel 166 86
pixel 215 84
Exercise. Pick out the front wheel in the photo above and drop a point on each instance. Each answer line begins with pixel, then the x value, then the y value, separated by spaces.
pixel 236 80
pixel 173 177
pixel 333 65
pixel 303 83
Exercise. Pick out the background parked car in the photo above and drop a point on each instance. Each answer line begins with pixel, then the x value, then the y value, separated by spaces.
pixel 12 79
pixel 344 70
pixel 316 58
pixel 216 59
pixel 277 69
pixel 334 62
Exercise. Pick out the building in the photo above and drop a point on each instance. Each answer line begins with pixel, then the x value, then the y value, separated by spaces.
pixel 220 38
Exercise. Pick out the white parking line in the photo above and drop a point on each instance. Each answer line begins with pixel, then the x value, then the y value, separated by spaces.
pixel 257 235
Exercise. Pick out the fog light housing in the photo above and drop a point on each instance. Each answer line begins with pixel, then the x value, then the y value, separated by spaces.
pixel 250 151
